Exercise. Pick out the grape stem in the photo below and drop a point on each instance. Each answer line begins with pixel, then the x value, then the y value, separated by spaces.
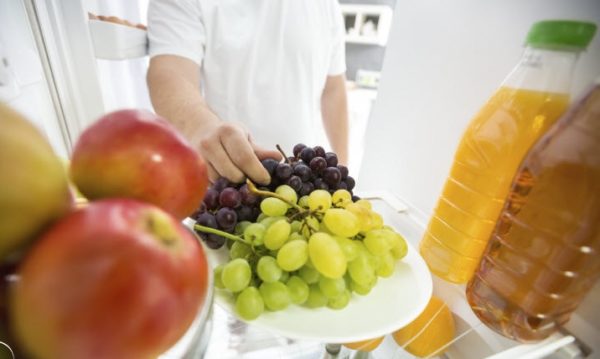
pixel 286 158
pixel 206 229
pixel 259 192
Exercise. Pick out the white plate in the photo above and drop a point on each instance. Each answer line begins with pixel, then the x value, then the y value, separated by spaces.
pixel 392 303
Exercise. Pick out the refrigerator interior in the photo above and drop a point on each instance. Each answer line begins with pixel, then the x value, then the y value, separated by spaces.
pixel 443 60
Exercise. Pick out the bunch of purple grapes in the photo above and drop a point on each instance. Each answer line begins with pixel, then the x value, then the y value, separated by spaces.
pixel 309 169
pixel 224 205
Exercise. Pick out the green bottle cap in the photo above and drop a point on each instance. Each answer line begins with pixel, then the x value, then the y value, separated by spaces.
pixel 556 34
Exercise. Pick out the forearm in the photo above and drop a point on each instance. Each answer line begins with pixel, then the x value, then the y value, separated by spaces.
pixel 334 110
pixel 178 99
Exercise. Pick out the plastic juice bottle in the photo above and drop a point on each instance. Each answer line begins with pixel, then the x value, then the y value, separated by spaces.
pixel 542 258
pixel 527 103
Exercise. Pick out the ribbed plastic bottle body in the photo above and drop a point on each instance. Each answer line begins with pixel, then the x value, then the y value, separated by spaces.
pixel 529 101
pixel 542 258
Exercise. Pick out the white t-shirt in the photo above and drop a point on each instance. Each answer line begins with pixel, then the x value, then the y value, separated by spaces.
pixel 263 62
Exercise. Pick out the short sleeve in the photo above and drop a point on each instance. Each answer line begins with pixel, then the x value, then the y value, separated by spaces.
pixel 337 62
pixel 175 27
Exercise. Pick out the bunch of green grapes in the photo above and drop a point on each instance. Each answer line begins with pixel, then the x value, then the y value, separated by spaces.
pixel 313 251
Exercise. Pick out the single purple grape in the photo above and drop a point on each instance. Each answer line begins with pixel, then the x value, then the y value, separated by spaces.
pixel 248 198
pixel 270 164
pixel 295 182
pixel 302 171
pixel 350 182
pixel 220 184
pixel 244 213
pixel 207 220
pixel 226 218
pixel 307 154
pixel 211 199
pixel 332 176
pixel 283 171
pixel 298 148
pixel 318 164
pixel 331 159
pixel 319 151
pixel 214 241
pixel 343 170
pixel 342 185
pixel 319 183
pixel 230 197
pixel 307 187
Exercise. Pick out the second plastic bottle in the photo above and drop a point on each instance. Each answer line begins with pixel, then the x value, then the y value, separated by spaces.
pixel 529 101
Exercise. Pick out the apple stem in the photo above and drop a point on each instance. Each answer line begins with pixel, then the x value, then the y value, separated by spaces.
pixel 206 229
pixel 285 158
pixel 253 189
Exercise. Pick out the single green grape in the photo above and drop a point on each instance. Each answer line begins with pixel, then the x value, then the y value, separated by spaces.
pixel 340 301
pixel 387 265
pixel 241 227
pixel 303 202
pixel 341 222
pixel 268 221
pixel 363 216
pixel 364 289
pixel 236 275
pixel 293 255
pixel 277 234
pixel 364 203
pixel 296 225
pixel 309 274
pixel 341 198
pixel 331 288
pixel 361 270
pixel 275 295
pixel 316 298
pixel 298 289
pixel 319 200
pixel 217 276
pixel 295 236
pixel 349 247
pixel 249 304
pixel 273 207
pixel 287 192
pixel 378 241
pixel 254 233
pixel 310 225
pixel 326 255
pixel 285 275
pixel 240 250
pixel 268 270
pixel 399 246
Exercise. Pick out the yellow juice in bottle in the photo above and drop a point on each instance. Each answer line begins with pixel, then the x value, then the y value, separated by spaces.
pixel 485 162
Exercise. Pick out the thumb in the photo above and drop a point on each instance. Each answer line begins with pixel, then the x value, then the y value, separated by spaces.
pixel 263 153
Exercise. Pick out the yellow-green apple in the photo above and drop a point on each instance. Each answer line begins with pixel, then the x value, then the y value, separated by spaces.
pixel 116 279
pixel 34 189
pixel 136 154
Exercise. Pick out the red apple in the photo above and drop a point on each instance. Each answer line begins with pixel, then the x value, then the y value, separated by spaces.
pixel 116 279
pixel 136 154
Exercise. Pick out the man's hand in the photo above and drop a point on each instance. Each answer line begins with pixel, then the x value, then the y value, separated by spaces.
pixel 231 153
pixel 174 84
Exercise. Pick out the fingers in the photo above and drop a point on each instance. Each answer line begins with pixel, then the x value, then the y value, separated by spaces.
pixel 242 155
pixel 212 150
pixel 263 153
pixel 213 175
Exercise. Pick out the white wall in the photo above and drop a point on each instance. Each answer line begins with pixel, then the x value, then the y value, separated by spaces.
pixel 444 59
pixel 29 92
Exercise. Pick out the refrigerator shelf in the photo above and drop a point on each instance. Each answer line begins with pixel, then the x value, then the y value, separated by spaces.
pixel 113 41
